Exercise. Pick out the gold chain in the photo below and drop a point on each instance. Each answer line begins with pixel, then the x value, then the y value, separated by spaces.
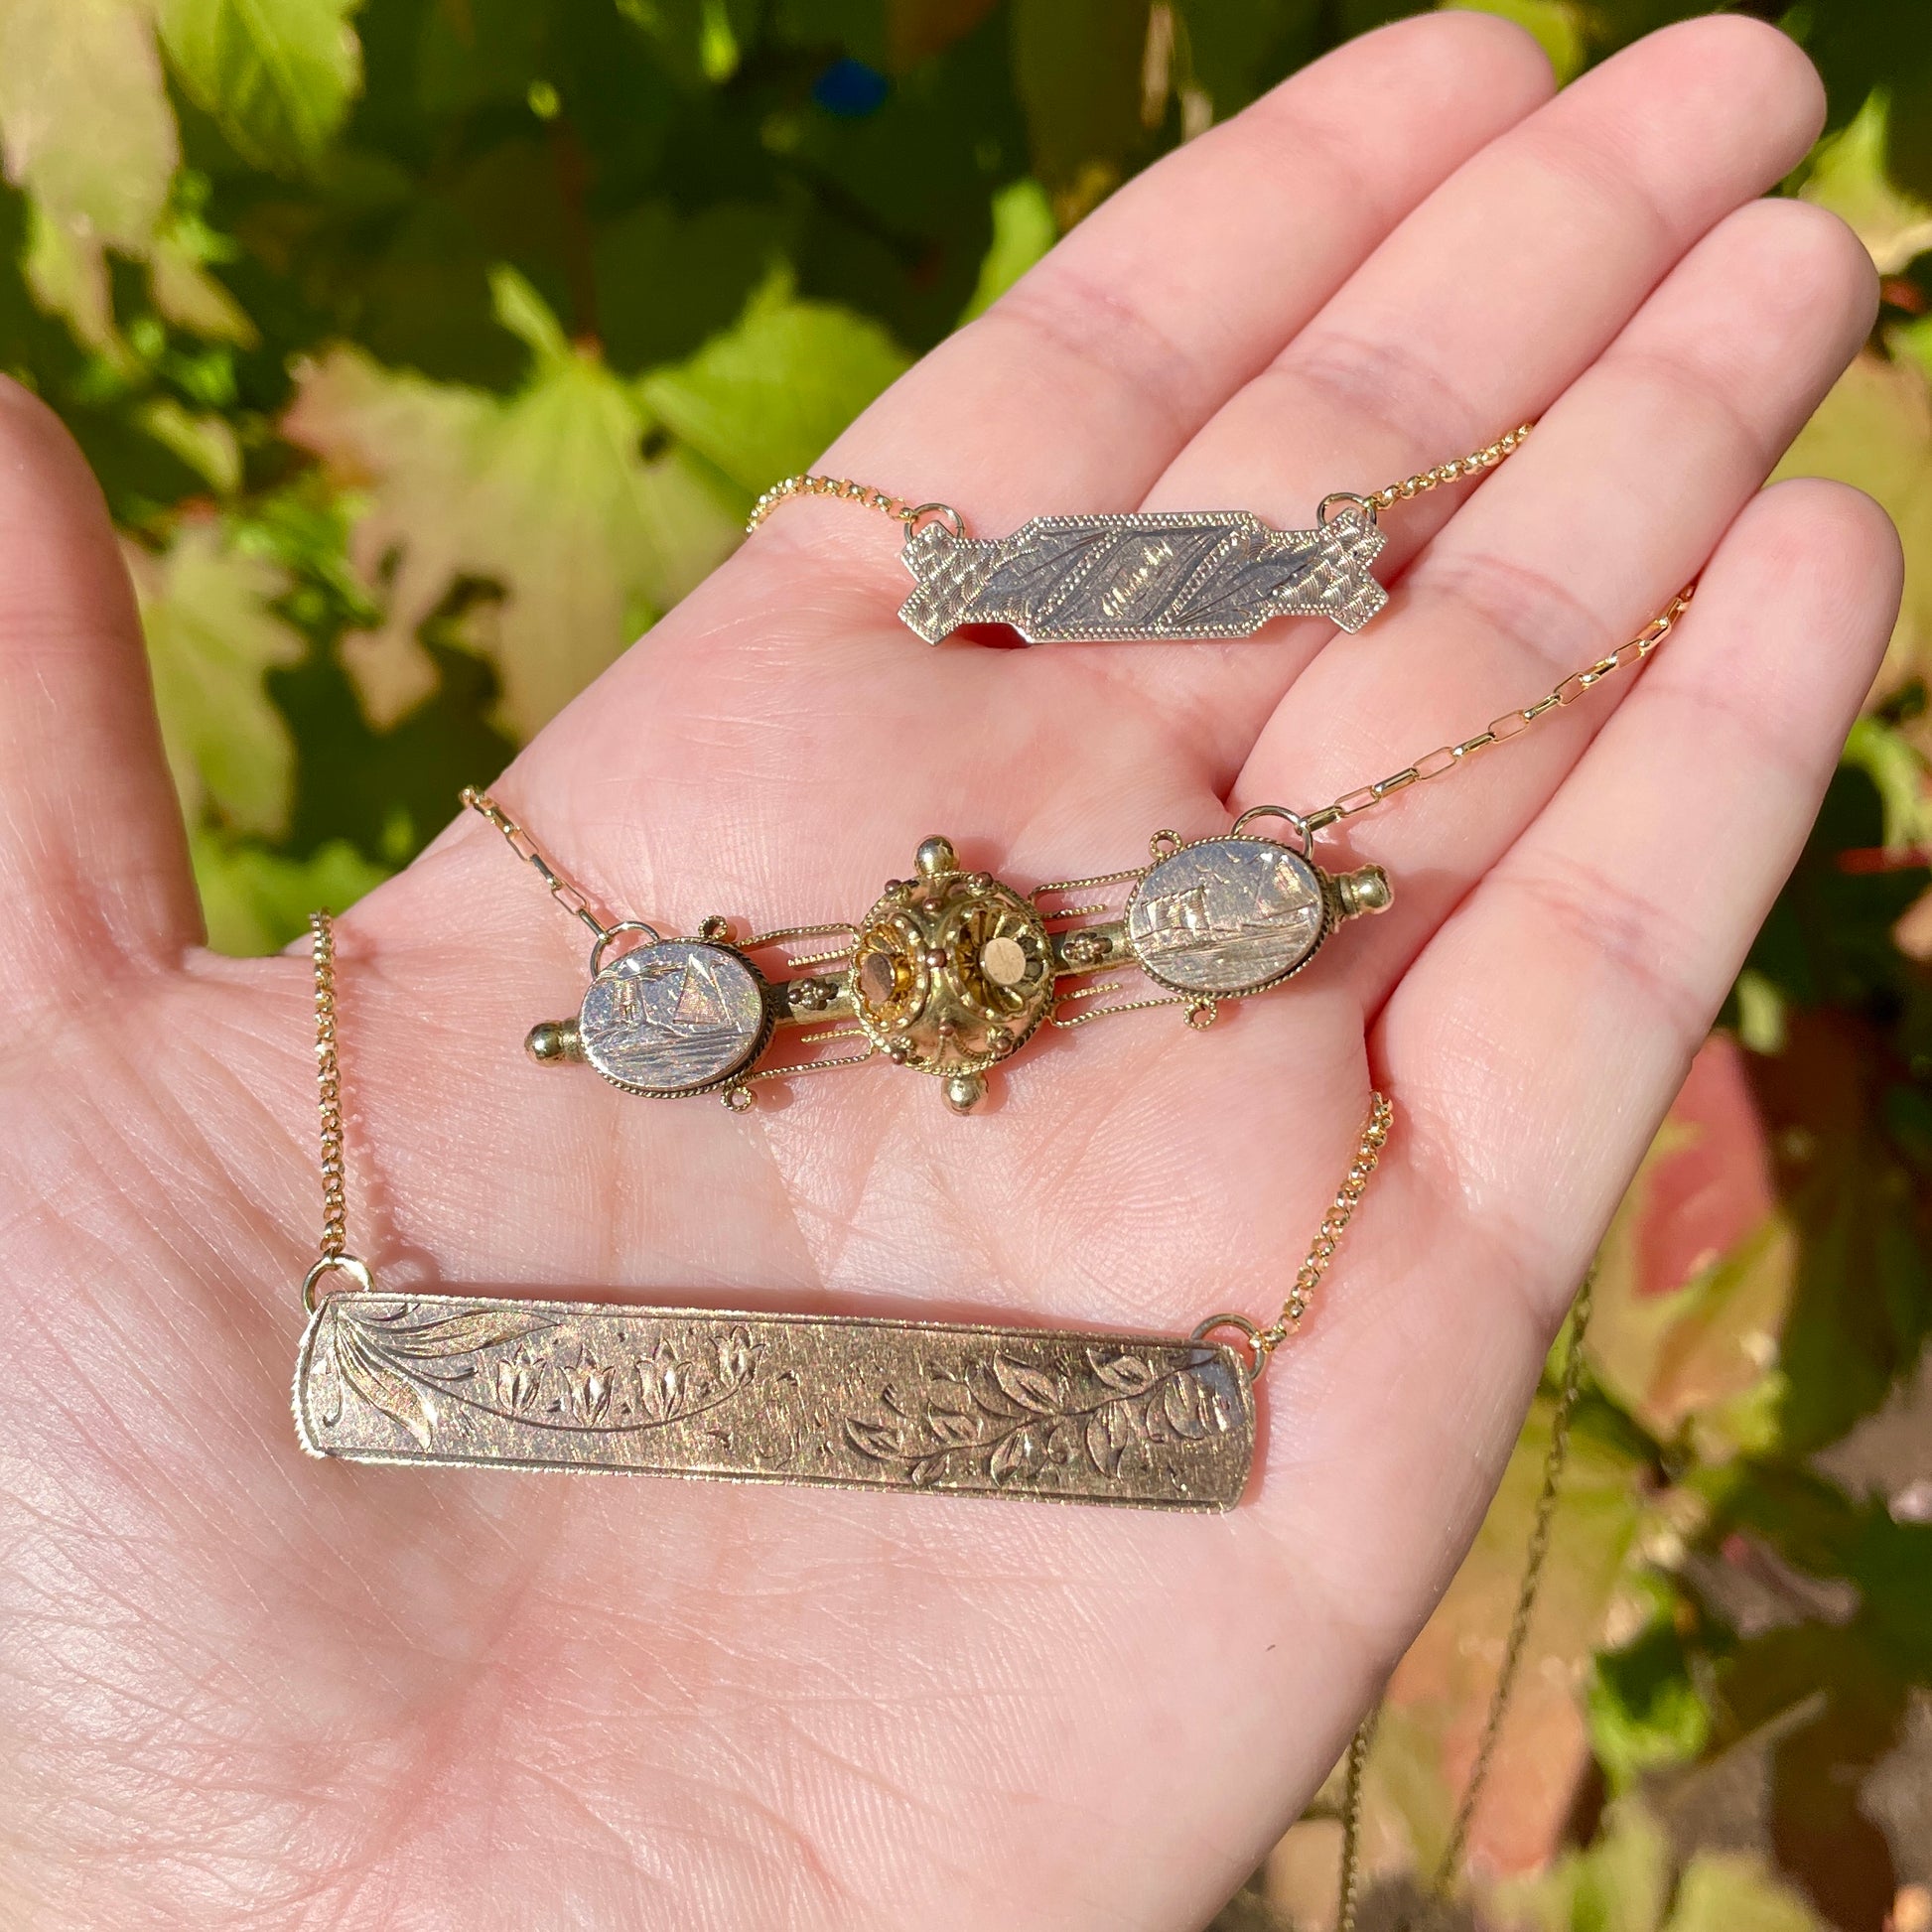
pixel 815 483
pixel 519 841
pixel 1450 758
pixel 1342 1210
pixel 329 1091
pixel 1569 1392
pixel 1473 465
pixel 1512 724
pixel 331 1249
pixel 806 483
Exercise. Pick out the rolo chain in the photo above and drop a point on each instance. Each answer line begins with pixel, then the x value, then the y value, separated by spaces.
pixel 1328 1238
pixel 1473 465
pixel 331 1247
pixel 867 496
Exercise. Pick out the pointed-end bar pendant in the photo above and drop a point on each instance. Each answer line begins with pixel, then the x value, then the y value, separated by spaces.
pixel 1160 575
pixel 961 1410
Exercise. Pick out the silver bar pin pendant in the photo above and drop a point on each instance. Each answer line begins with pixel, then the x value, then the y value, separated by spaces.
pixel 1160 575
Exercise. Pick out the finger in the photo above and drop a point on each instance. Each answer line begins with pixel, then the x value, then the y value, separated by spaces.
pixel 1498 292
pixel 1532 1052
pixel 1540 1036
pixel 93 866
pixel 1625 488
pixel 1508 281
pixel 1077 386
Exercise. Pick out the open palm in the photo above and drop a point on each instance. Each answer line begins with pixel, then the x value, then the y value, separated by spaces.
pixel 241 1687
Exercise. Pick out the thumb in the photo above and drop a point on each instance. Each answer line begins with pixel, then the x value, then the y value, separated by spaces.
pixel 93 859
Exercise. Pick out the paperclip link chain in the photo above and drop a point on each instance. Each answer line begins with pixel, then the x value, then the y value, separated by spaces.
pixel 1438 763
pixel 519 841
pixel 1512 724
pixel 813 483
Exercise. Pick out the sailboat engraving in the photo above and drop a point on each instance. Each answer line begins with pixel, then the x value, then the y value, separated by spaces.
pixel 673 1017
pixel 1226 916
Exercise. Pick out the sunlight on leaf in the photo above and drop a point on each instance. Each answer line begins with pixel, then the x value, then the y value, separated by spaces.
pixel 1875 430
pixel 87 131
pixel 1439 1694
pixel 276 75
pixel 1847 176
pixel 1558 26
pixel 255 902
pixel 1696 1276
pixel 1023 231
pixel 1620 1884
pixel 766 397
pixel 210 636
pixel 1730 1892
pixel 545 493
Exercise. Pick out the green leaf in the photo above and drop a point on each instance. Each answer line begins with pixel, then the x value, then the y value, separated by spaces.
pixel 255 901
pixel 766 397
pixel 89 133
pixel 1023 231
pixel 1898 769
pixel 204 607
pixel 1620 1884
pixel 1847 176
pixel 1439 1692
pixel 1081 69
pixel 1645 1711
pixel 276 75
pixel 1730 1892
pixel 86 119
pixel 546 494
pixel 1875 430
pixel 1558 26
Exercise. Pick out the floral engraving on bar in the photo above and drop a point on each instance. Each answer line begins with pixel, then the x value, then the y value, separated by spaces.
pixel 1016 1423
pixel 423 1369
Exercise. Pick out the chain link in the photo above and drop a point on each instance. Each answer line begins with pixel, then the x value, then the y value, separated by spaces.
pixel 1328 1237
pixel 519 841
pixel 329 1091
pixel 1512 724
pixel 1515 1645
pixel 1473 465
pixel 332 1247
pixel 809 484
pixel 813 483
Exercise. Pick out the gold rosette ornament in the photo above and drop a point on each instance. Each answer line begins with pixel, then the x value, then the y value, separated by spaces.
pixel 951 973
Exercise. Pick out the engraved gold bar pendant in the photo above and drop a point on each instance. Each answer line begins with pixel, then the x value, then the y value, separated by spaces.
pixel 957 1408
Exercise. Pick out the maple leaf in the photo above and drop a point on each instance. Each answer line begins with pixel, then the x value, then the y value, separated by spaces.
pixel 205 608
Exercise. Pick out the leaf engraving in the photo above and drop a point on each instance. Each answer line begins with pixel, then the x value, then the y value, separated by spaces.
pixel 524 1365
pixel 1010 1422
pixel 379 1383
pixel 1028 1387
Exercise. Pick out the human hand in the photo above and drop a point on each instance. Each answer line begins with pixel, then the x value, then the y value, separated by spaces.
pixel 244 1687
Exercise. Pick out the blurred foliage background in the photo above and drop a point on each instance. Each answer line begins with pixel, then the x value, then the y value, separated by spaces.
pixel 428 350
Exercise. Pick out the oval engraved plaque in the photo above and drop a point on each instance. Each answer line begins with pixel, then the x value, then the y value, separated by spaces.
pixel 675 1017
pixel 1226 917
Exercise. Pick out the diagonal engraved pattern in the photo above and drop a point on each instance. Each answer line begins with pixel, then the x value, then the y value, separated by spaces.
pixel 1130 1420
pixel 1162 574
